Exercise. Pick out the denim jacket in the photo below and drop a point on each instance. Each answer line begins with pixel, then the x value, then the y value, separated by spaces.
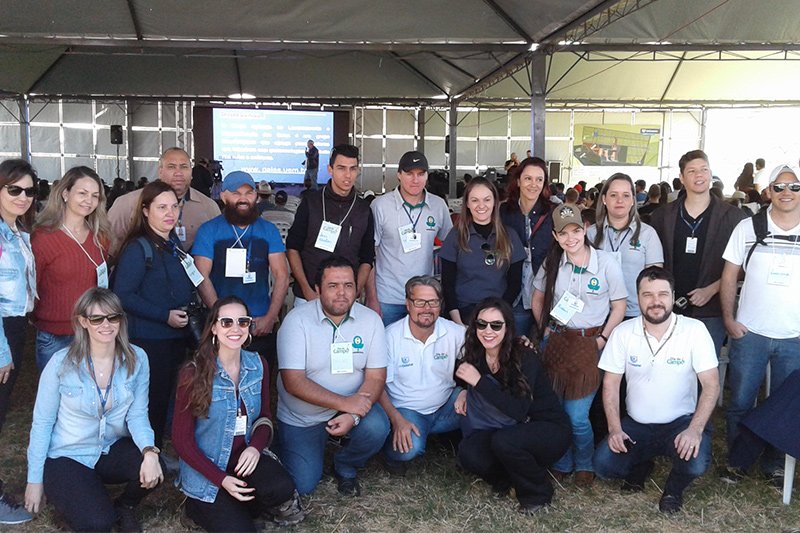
pixel 17 281
pixel 214 433
pixel 68 423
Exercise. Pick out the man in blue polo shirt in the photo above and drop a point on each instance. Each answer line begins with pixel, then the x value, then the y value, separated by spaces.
pixel 236 252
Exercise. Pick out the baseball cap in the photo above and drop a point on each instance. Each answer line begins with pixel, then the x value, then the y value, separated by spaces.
pixel 412 160
pixel 738 195
pixel 236 179
pixel 281 196
pixel 566 214
pixel 780 169
pixel 264 188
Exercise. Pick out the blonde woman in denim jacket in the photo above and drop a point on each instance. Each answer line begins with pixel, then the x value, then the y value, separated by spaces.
pixel 90 425
pixel 17 290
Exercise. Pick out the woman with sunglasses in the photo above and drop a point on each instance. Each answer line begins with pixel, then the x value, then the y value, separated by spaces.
pixel 527 212
pixel 90 425
pixel 17 287
pixel 480 256
pixel 579 297
pixel 222 428
pixel 513 425
pixel 70 242
pixel 633 244
pixel 153 278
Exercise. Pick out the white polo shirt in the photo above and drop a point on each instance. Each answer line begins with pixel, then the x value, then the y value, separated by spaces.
pixel 768 304
pixel 304 343
pixel 599 285
pixel 663 387
pixel 419 375
pixel 393 266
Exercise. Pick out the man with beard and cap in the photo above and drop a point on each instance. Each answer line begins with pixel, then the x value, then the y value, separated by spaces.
pixel 662 356
pixel 236 252
pixel 174 169
pixel 420 392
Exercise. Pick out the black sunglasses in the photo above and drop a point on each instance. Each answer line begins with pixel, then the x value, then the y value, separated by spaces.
pixel 16 190
pixel 227 322
pixel 490 258
pixel 780 187
pixel 430 303
pixel 96 320
pixel 496 325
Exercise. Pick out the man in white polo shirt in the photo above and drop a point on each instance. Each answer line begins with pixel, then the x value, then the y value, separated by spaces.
pixel 662 356
pixel 407 220
pixel 766 326
pixel 420 390
pixel 332 361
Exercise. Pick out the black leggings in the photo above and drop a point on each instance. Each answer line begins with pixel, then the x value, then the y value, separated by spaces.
pixel 78 492
pixel 15 329
pixel 273 487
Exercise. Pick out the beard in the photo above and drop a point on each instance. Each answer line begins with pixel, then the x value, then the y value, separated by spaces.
pixel 655 319
pixel 240 217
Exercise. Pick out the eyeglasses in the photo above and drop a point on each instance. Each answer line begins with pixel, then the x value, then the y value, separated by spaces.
pixel 430 303
pixel 490 258
pixel 96 320
pixel 496 325
pixel 780 187
pixel 16 190
pixel 227 322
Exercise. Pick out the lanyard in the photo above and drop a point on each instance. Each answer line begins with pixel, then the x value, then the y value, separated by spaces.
pixel 408 214
pixel 103 259
pixel 652 353
pixel 103 397
pixel 346 214
pixel 180 208
pixel 239 242
pixel 621 239
pixel 694 226
pixel 336 328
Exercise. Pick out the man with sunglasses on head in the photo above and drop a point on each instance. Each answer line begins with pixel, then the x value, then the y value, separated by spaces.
pixel 765 328
pixel 420 391
pixel 236 253
pixel 332 360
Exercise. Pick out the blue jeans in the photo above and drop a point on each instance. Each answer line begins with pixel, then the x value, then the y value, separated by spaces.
pixel 48 344
pixel 302 449
pixel 442 420
pixel 749 356
pixel 579 456
pixel 716 328
pixel 523 320
pixel 653 440
pixel 391 313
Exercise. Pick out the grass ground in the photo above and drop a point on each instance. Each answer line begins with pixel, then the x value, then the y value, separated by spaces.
pixel 435 496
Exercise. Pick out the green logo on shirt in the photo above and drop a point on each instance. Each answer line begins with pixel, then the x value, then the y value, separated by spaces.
pixel 635 245
pixel 358 342
pixel 594 285
pixel 439 356
pixel 430 221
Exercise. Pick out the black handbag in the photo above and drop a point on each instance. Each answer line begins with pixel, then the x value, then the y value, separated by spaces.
pixel 197 313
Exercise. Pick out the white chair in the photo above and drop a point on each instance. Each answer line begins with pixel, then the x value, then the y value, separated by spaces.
pixel 292 202
pixel 788 479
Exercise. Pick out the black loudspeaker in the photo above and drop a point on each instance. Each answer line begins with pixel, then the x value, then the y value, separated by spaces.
pixel 116 134
pixel 447 144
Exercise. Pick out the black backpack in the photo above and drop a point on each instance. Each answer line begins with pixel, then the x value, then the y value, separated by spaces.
pixel 762 232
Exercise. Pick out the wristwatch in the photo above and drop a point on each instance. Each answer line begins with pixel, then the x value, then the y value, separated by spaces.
pixel 153 449
pixel 356 419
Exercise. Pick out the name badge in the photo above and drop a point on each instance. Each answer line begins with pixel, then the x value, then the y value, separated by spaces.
pixel 180 231
pixel 780 272
pixel 194 275
pixel 328 236
pixel 102 275
pixel 241 425
pixel 409 238
pixel 341 358
pixel 249 277
pixel 691 245
pixel 235 262
pixel 565 309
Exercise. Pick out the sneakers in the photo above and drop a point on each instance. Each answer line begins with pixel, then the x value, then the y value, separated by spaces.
pixel 775 478
pixel 290 512
pixel 731 475
pixel 670 504
pixel 127 521
pixel 11 513
pixel 348 486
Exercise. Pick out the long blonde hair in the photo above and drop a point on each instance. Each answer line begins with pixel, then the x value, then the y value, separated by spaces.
pixel 52 216
pixel 80 347
pixel 503 243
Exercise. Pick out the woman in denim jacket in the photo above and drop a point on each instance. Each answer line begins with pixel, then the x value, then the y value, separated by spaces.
pixel 17 290
pixel 222 429
pixel 90 423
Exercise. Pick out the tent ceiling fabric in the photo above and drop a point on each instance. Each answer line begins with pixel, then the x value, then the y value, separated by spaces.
pixel 388 51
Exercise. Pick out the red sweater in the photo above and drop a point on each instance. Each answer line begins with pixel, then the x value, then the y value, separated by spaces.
pixel 63 274
pixel 183 422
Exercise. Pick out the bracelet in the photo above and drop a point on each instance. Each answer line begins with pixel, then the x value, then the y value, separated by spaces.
pixel 153 449
pixel 605 339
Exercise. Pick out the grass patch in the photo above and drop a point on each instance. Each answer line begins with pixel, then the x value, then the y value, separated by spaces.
pixel 435 496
